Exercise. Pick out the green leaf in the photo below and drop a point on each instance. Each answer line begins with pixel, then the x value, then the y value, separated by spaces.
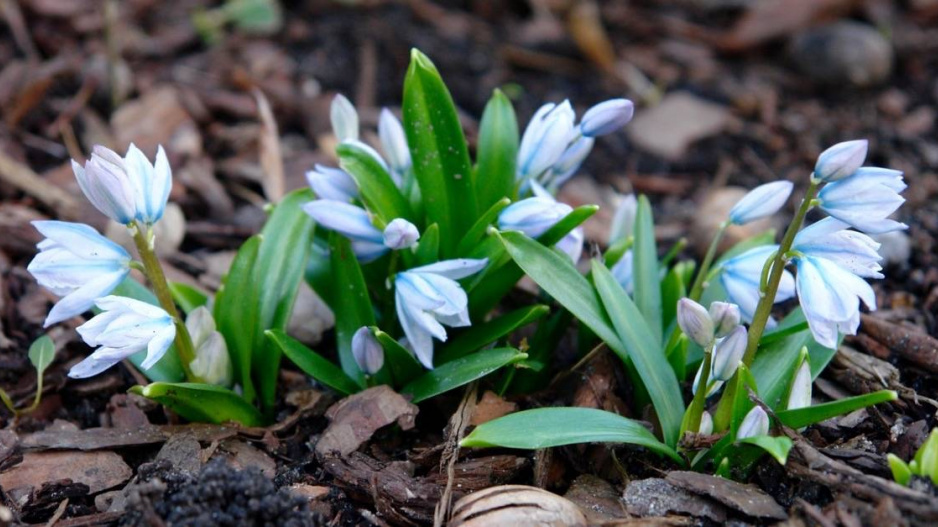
pixel 255 16
pixel 236 313
pixel 168 368
pixel 41 354
pixel 352 305
pixel 402 363
pixel 471 240
pixel 549 333
pixel 497 151
pixel 555 275
pixel 802 417
pixel 646 281
pixel 550 427
pixel 312 363
pixel 281 262
pixel 481 335
pixel 900 470
pixel 673 288
pixel 428 249
pixel 188 297
pixel 439 151
pixel 202 403
pixel 460 372
pixel 645 352
pixel 777 447
pixel 378 190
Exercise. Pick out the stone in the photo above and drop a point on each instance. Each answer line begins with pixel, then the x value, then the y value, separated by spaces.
pixel 843 53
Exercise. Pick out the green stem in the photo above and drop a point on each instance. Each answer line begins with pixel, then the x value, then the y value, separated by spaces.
pixel 703 384
pixel 157 279
pixel 764 309
pixel 697 289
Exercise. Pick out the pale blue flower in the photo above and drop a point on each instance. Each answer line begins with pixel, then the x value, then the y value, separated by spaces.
pixel 760 202
pixel 367 351
pixel 332 183
pixel 394 142
pixel 727 354
pixel 572 243
pixel 623 221
pixel 756 423
pixel 106 183
pixel 151 183
pixel 352 222
pixel 124 327
pixel 344 119
pixel 740 278
pixel 428 297
pixel 865 199
pixel 725 317
pixel 212 362
pixel 545 139
pixel 830 298
pixel 533 216
pixel 400 234
pixel 840 160
pixel 832 240
pixel 695 322
pixel 569 162
pixel 622 271
pixel 606 117
pixel 78 264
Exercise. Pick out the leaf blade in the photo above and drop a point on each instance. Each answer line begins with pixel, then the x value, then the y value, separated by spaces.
pixel 202 403
pixel 313 364
pixel 461 372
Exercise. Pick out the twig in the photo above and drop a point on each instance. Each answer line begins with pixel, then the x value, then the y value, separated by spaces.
pixel 23 178
pixel 580 363
pixel 457 428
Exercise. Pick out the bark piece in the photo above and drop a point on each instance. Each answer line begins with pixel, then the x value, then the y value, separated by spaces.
pixel 656 497
pixel 747 499
pixel 108 438
pixel 356 418
pixel 98 470
pixel 918 348
pixel 243 455
pixel 596 498
pixel 184 452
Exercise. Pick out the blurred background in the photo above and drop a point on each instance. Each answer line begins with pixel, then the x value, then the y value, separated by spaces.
pixel 729 93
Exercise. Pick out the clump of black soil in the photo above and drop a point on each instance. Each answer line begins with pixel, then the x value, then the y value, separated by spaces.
pixel 220 496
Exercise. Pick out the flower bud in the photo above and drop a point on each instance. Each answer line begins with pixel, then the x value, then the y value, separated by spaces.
pixel 107 185
pixel 725 317
pixel 367 351
pixel 532 216
pixel 840 160
pixel 394 142
pixel 570 161
pixel 545 139
pixel 760 202
pixel 606 117
pixel 706 424
pixel 212 362
pixel 344 118
pixel 800 394
pixel 756 423
pixel 695 321
pixel 200 325
pixel 624 219
pixel 400 234
pixel 332 183
pixel 728 353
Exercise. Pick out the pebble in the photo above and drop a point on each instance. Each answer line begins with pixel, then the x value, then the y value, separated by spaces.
pixel 843 53
pixel 895 247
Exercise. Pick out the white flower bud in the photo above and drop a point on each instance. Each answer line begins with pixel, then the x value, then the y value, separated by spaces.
pixel 624 219
pixel 800 394
pixel 706 424
pixel 606 117
pixel 760 202
pixel 400 234
pixel 725 317
pixel 756 423
pixel 344 118
pixel 728 353
pixel 841 160
pixel 367 351
pixel 212 362
pixel 695 321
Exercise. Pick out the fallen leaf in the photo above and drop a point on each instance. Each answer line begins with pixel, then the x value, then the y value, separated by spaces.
pixel 98 470
pixel 356 418
pixel 669 128
pixel 747 499
pixel 491 406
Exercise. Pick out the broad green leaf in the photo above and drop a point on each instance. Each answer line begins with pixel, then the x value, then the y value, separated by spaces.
pixel 168 368
pixel 312 363
pixel 900 470
pixel 497 151
pixel 644 350
pixel 319 269
pixel 378 190
pixel 482 334
pixel 236 313
pixel 777 447
pixel 352 305
pixel 802 417
pixel 460 372
pixel 281 262
pixel 402 363
pixel 550 427
pixel 428 249
pixel 254 16
pixel 41 354
pixel 439 151
pixel 187 297
pixel 487 289
pixel 202 403
pixel 645 277
pixel 555 275
pixel 471 240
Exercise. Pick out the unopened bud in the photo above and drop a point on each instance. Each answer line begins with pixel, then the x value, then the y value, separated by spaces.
pixel 606 117
pixel 367 351
pixel 760 202
pixel 840 160
pixel 756 423
pixel 344 119
pixel 725 317
pixel 728 353
pixel 694 321
pixel 800 394
pixel 706 424
pixel 400 234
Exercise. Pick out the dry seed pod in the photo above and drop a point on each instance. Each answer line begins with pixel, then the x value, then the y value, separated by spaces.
pixel 516 505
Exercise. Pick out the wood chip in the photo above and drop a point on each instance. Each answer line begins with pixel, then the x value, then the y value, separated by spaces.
pixel 656 497
pixel 357 417
pixel 98 470
pixel 918 348
pixel 109 438
pixel 747 499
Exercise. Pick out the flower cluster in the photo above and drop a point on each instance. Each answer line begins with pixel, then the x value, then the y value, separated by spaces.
pixel 717 329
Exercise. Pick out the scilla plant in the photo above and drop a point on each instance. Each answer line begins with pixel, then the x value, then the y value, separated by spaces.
pixel 402 255
pixel 684 324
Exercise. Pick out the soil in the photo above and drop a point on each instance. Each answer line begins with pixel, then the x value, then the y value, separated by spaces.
pixel 72 75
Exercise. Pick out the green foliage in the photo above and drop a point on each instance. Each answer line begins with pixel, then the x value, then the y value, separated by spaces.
pixel 924 464
pixel 460 372
pixel 202 403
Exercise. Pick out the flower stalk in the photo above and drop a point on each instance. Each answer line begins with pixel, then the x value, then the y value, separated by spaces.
pixel 696 409
pixel 154 273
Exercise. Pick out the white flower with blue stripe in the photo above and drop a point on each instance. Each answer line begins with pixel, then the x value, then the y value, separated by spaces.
pixel 351 221
pixel 865 199
pixel 740 277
